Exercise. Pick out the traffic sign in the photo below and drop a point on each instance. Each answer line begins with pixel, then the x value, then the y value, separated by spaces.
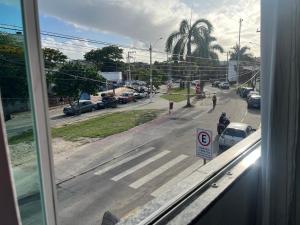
pixel 204 144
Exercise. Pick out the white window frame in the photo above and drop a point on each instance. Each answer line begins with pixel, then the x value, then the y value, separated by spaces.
pixel 35 69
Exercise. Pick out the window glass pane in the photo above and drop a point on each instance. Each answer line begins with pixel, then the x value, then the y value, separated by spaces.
pixel 137 139
pixel 16 100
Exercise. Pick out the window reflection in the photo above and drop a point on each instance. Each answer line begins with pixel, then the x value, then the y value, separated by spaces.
pixel 18 115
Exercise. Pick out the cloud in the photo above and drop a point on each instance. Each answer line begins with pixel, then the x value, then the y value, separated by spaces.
pixel 136 19
pixel 74 49
pixel 144 21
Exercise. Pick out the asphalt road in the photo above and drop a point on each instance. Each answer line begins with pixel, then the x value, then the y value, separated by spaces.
pixel 129 182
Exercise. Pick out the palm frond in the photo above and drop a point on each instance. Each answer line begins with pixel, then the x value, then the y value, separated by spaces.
pixel 184 27
pixel 244 49
pixel 179 47
pixel 203 24
pixel 217 47
pixel 171 39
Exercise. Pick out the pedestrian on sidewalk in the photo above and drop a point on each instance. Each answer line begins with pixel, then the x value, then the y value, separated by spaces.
pixel 214 99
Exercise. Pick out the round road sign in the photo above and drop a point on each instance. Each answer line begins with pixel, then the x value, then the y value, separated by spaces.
pixel 204 138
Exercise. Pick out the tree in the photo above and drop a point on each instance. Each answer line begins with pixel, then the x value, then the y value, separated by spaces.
pixel 208 47
pixel 244 56
pixel 52 59
pixel 180 43
pixel 13 82
pixel 75 78
pixel 107 59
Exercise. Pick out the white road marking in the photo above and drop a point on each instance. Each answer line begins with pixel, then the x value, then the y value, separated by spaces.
pixel 140 182
pixel 140 165
pixel 244 116
pixel 173 182
pixel 123 161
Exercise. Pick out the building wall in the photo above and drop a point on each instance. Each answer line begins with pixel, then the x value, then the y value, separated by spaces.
pixel 112 76
pixel 232 74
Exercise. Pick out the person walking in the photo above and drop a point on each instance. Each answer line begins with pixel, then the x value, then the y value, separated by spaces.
pixel 214 99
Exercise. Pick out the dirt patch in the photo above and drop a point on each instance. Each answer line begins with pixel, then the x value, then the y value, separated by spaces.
pixel 63 149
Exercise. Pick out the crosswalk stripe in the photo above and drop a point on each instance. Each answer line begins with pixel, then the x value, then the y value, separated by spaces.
pixel 123 161
pixel 178 178
pixel 140 165
pixel 140 182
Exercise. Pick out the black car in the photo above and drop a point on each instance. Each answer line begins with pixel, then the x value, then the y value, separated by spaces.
pixel 107 102
pixel 254 101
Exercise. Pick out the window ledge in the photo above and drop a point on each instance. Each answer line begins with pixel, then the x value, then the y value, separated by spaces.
pixel 158 206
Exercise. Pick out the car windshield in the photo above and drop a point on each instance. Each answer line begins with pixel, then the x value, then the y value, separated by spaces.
pixel 234 132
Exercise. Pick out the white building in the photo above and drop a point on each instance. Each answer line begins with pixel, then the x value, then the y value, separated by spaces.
pixel 232 74
pixel 112 76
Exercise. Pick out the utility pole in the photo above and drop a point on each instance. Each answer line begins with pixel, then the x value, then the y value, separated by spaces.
pixel 227 67
pixel 151 84
pixel 128 60
pixel 239 50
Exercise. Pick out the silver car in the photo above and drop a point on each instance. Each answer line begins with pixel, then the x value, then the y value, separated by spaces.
pixel 234 133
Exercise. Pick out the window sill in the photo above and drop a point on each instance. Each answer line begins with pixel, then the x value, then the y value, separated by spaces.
pixel 198 186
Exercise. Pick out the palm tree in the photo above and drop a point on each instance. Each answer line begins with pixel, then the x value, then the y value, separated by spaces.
pixel 244 56
pixel 180 43
pixel 208 48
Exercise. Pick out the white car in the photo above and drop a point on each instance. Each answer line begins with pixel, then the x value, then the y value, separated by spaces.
pixel 224 85
pixel 234 133
pixel 252 93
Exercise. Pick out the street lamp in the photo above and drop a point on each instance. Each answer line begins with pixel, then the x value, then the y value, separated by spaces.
pixel 151 81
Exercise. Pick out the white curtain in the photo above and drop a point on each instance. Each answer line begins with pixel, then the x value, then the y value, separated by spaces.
pixel 280 41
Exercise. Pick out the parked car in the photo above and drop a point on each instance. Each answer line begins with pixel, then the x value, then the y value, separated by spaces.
pixel 224 85
pixel 234 133
pixel 107 102
pixel 254 101
pixel 77 108
pixel 245 91
pixel 126 97
pixel 215 83
pixel 140 95
pixel 252 93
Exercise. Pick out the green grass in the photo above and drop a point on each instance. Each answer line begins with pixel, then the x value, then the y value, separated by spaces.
pixel 177 95
pixel 23 137
pixel 98 127
pixel 106 125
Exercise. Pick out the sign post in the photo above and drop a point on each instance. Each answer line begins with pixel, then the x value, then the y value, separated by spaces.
pixel 204 144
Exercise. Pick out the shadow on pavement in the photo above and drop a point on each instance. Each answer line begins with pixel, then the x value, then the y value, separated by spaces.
pixel 254 111
pixel 58 117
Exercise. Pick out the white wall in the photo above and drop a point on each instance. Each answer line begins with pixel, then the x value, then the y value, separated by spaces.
pixel 232 74
pixel 111 76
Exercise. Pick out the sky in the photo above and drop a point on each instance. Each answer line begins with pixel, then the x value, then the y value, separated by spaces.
pixel 137 23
